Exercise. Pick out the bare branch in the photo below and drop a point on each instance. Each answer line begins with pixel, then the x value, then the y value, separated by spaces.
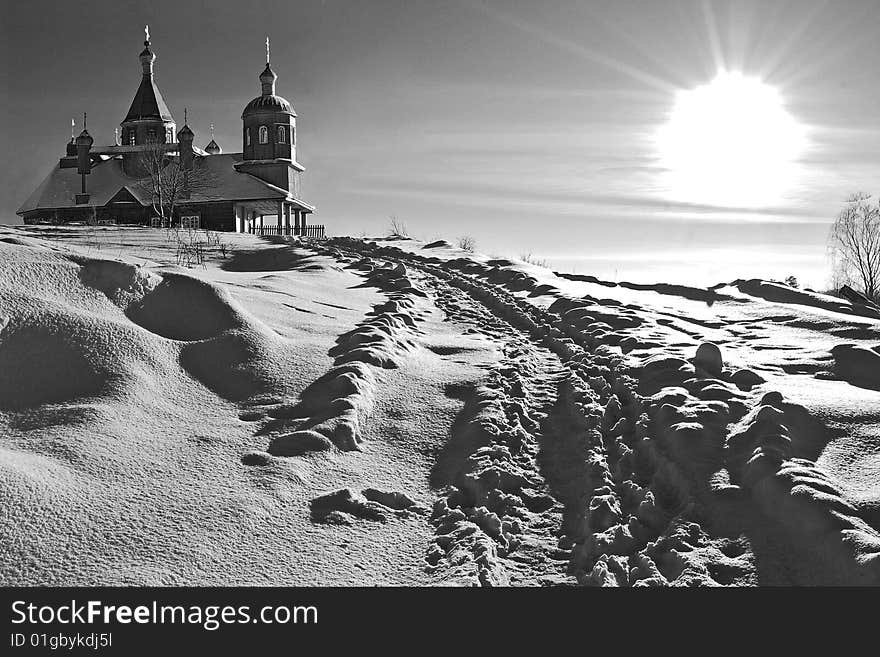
pixel 855 242
pixel 166 182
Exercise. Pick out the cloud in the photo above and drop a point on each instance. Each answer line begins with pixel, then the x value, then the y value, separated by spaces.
pixel 454 189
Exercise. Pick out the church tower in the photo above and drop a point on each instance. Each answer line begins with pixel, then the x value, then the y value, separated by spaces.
pixel 269 136
pixel 148 119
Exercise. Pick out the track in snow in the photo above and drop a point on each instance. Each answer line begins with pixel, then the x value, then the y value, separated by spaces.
pixel 568 466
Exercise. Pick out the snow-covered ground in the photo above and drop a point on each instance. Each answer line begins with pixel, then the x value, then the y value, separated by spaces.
pixel 395 412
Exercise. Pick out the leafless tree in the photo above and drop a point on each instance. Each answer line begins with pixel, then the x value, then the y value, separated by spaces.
pixel 166 182
pixel 855 242
pixel 397 228
pixel 467 243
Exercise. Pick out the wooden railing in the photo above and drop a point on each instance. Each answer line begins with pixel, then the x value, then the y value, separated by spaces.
pixel 315 230
pixel 268 230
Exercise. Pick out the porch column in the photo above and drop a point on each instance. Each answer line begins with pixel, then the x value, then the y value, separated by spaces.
pixel 304 215
pixel 296 221
pixel 280 212
pixel 286 219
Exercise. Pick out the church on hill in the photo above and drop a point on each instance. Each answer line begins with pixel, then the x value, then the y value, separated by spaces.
pixel 256 190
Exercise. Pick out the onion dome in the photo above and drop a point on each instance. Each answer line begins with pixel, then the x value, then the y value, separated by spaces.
pixel 268 101
pixel 267 79
pixel 268 104
pixel 85 139
pixel 147 58
pixel 185 134
pixel 213 148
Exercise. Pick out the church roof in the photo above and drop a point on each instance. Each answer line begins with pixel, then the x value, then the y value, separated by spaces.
pixel 268 104
pixel 148 103
pixel 219 181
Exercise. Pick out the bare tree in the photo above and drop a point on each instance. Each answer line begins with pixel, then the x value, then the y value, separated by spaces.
pixel 855 242
pixel 166 181
pixel 397 228
pixel 467 243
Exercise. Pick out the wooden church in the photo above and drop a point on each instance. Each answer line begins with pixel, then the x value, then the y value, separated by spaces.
pixel 257 190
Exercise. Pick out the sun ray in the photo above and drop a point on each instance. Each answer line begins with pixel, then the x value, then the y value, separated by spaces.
pixel 712 36
pixel 771 61
pixel 547 36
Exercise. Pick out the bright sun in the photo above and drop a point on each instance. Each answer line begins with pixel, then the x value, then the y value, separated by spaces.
pixel 731 143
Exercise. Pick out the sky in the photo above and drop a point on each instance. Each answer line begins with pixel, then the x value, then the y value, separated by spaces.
pixel 531 127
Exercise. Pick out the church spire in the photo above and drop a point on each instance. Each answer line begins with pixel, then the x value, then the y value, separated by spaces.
pixel 148 102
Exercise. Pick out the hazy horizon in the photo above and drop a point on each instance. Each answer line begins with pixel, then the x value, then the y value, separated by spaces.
pixel 531 127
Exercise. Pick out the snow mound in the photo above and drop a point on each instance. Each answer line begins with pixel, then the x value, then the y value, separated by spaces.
pixel 342 506
pixel 186 309
pixel 80 327
pixel 61 341
pixel 858 365
pixel 331 410
pixel 784 294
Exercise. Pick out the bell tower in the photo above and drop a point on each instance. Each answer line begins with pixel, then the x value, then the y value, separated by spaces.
pixel 148 120
pixel 269 136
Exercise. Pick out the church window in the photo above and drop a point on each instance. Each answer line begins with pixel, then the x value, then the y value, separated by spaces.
pixel 292 135
pixel 264 135
pixel 282 135
pixel 169 135
pixel 151 134
pixel 131 137
pixel 247 136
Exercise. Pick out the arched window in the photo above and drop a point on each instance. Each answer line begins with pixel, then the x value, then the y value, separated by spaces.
pixel 131 137
pixel 151 135
pixel 264 135
pixel 282 135
pixel 247 136
pixel 292 135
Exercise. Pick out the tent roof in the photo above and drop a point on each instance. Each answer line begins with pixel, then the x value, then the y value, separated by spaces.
pixel 148 103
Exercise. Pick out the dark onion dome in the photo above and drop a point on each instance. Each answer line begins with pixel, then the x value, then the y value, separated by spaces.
pixel 213 148
pixel 268 77
pixel 185 132
pixel 147 58
pixel 268 104
pixel 85 139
